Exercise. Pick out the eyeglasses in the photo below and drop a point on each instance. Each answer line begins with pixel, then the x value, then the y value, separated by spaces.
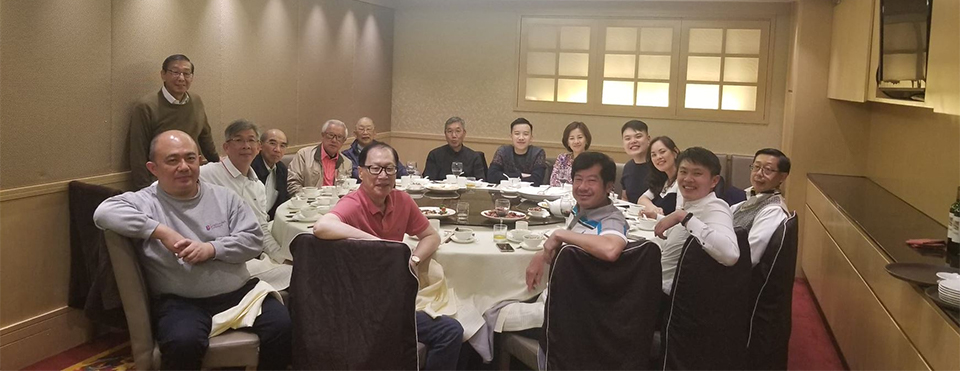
pixel 249 142
pixel 364 130
pixel 766 171
pixel 331 136
pixel 376 170
pixel 186 75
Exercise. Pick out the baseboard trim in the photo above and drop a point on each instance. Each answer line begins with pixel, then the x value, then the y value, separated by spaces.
pixel 29 341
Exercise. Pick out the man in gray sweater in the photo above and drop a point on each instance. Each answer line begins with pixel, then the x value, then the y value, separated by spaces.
pixel 197 238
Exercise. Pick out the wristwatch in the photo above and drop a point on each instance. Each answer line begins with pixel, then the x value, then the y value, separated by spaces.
pixel 415 259
pixel 686 219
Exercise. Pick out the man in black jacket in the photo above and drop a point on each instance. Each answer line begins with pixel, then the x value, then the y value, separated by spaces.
pixel 271 171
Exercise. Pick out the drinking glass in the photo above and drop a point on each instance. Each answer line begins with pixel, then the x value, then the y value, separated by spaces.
pixel 457 168
pixel 501 206
pixel 412 168
pixel 500 233
pixel 463 211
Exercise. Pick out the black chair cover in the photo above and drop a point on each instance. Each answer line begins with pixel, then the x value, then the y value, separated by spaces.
pixel 771 300
pixel 93 287
pixel 602 315
pixel 708 318
pixel 352 304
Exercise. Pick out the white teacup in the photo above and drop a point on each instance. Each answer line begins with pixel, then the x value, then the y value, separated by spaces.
pixel 298 202
pixel 311 191
pixel 324 201
pixel 451 179
pixel 635 210
pixel 350 182
pixel 463 234
pixel 309 211
pixel 328 190
pixel 405 181
pixel 435 224
pixel 520 233
pixel 532 241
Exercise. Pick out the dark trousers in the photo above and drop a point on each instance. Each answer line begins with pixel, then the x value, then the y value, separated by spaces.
pixel 443 336
pixel 183 329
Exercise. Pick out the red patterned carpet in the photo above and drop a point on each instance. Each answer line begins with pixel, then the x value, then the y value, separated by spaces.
pixel 811 347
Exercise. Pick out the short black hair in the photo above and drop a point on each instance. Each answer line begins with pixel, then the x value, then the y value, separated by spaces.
pixel 178 57
pixel 586 160
pixel 636 125
pixel 700 156
pixel 574 126
pixel 783 162
pixel 362 159
pixel 520 121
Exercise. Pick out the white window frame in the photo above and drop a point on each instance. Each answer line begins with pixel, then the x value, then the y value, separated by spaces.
pixel 678 67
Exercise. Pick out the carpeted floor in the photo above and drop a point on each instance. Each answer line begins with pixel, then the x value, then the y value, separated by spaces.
pixel 811 346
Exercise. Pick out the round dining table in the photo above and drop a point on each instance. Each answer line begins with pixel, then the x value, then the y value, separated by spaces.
pixel 477 271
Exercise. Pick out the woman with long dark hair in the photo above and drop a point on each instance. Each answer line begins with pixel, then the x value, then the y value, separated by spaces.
pixel 662 197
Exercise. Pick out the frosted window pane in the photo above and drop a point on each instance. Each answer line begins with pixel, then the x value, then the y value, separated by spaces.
pixel 900 67
pixel 542 37
pixel 539 63
pixel 574 64
pixel 621 39
pixel 705 40
pixel 740 69
pixel 576 38
pixel 659 40
pixel 574 91
pixel 743 42
pixel 653 94
pixel 739 98
pixel 622 66
pixel 618 93
pixel 703 68
pixel 539 89
pixel 654 67
pixel 702 96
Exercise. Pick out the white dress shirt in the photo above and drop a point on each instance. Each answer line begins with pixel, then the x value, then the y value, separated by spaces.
pixel 270 186
pixel 171 99
pixel 249 188
pixel 712 225
pixel 767 220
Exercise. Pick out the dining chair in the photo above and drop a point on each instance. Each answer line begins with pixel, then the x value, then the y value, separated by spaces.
pixel 352 304
pixel 771 300
pixel 231 349
pixel 707 316
pixel 598 314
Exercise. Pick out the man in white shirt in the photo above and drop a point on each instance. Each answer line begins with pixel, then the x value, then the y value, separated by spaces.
pixel 234 172
pixel 703 215
pixel 271 171
pixel 765 208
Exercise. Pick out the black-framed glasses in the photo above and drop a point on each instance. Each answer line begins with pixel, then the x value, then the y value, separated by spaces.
pixel 249 142
pixel 376 169
pixel 766 171
pixel 186 75
pixel 331 136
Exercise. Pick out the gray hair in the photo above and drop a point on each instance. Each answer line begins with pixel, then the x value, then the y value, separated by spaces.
pixel 326 125
pixel 238 126
pixel 454 120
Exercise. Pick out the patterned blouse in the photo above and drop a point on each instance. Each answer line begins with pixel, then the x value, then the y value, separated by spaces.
pixel 562 169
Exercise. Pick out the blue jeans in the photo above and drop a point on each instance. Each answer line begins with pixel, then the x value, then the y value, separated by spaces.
pixel 443 336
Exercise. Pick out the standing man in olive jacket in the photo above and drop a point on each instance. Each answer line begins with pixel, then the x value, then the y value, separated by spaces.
pixel 170 108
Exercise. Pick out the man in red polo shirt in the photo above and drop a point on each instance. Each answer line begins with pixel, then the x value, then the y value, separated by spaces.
pixel 378 211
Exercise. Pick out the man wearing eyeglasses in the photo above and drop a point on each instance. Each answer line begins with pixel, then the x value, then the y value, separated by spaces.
pixel 271 170
pixel 320 165
pixel 765 208
pixel 364 134
pixel 170 108
pixel 235 173
pixel 378 211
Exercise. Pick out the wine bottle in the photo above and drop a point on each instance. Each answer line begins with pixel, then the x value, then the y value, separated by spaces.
pixel 953 234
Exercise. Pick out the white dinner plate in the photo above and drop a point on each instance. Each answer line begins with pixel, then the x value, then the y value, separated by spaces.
pixel 512 216
pixel 469 240
pixel 435 212
pixel 442 187
pixel 541 193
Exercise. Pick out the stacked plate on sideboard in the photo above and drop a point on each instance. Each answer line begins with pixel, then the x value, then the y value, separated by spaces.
pixel 949 291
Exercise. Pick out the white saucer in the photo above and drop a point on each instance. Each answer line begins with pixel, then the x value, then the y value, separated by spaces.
pixel 301 218
pixel 457 240
pixel 538 248
pixel 512 237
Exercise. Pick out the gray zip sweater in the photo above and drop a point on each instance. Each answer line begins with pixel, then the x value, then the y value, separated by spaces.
pixel 215 215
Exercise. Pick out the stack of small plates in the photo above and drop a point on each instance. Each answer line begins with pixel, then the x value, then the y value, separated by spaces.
pixel 950 291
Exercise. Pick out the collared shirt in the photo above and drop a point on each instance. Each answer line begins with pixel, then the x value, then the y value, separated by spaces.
pixel 271 191
pixel 604 220
pixel 767 220
pixel 712 225
pixel 171 99
pixel 251 190
pixel 329 167
pixel 400 215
